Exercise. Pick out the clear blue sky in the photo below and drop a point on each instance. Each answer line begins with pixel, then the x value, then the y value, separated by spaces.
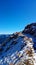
pixel 16 14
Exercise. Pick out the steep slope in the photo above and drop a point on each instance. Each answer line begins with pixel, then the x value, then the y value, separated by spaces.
pixel 19 48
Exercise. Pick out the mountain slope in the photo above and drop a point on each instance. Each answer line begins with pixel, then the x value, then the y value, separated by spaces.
pixel 19 48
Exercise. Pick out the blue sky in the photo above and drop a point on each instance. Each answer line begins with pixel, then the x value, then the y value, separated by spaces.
pixel 16 14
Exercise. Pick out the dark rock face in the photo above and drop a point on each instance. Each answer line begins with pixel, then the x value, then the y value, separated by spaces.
pixel 30 29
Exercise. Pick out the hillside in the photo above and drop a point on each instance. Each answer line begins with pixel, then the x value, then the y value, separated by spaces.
pixel 19 48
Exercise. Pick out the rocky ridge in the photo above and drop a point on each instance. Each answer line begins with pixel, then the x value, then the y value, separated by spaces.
pixel 19 48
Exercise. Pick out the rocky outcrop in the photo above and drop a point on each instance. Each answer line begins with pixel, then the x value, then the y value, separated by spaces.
pixel 30 29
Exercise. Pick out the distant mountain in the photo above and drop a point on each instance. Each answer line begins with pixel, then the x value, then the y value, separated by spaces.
pixel 19 48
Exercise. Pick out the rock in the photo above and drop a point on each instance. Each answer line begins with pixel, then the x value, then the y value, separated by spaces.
pixel 30 29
